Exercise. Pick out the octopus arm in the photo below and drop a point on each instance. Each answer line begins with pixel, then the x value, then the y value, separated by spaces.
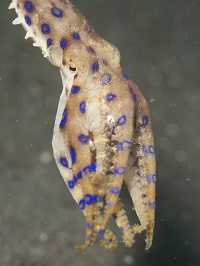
pixel 140 176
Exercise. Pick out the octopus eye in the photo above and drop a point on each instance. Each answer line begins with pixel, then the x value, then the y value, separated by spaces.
pixel 73 69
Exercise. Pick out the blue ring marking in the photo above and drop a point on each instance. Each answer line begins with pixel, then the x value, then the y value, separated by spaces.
pixel 82 204
pixel 154 178
pixel 110 204
pixel 64 162
pixel 144 149
pixel 75 178
pixel 151 178
pixel 90 199
pixel 87 168
pixel 109 240
pixel 64 118
pixel 28 20
pixel 148 178
pixel 95 198
pixel 101 232
pixel 57 12
pixel 63 43
pixel 95 66
pixel 104 62
pixel 88 30
pixel 90 50
pixel 152 205
pixel 121 145
pixel 76 36
pixel 145 121
pixel 88 225
pixel 127 142
pixel 93 167
pixel 125 76
pixel 119 170
pixel 82 107
pixel 90 168
pixel 79 175
pixel 75 89
pixel 75 76
pixel 45 28
pixel 87 237
pixel 152 149
pixel 132 93
pixel 105 78
pixel 83 139
pixel 121 120
pixel 49 42
pixel 29 6
pixel 114 190
pixel 110 97
pixel 73 155
pixel 71 184
pixel 121 229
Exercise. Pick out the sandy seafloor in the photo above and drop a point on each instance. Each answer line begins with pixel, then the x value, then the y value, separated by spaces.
pixel 40 223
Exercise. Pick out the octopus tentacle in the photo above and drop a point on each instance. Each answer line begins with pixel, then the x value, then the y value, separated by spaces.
pixel 122 222
pixel 102 132
pixel 141 171
pixel 109 241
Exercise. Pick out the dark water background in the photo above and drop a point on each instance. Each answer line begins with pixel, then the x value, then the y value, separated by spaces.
pixel 40 223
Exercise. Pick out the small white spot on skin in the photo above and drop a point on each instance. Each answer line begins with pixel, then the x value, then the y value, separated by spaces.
pixel 110 119
pixel 92 145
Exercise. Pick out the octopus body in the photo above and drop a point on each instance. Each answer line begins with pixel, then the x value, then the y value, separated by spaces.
pixel 102 133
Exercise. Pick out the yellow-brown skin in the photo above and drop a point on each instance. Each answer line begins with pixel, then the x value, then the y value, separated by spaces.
pixel 114 120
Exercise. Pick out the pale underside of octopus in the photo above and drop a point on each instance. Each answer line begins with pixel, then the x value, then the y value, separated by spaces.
pixel 102 134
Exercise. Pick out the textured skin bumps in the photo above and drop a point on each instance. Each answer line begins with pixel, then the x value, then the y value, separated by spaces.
pixel 102 134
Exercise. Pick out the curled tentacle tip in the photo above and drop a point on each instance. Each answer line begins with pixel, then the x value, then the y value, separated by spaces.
pixel 81 247
pixel 148 244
